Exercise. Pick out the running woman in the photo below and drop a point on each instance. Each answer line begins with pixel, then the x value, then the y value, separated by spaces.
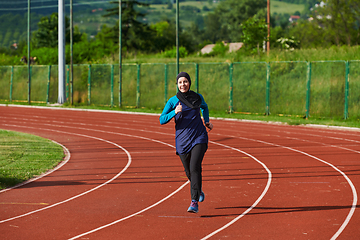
pixel 191 137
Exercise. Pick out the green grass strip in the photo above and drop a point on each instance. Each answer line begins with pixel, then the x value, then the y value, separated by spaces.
pixel 24 156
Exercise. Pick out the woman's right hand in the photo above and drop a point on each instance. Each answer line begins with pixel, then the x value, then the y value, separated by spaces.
pixel 209 125
pixel 178 108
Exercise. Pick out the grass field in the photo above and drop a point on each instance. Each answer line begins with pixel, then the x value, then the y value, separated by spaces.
pixel 283 7
pixel 156 12
pixel 275 6
pixel 200 5
pixel 23 156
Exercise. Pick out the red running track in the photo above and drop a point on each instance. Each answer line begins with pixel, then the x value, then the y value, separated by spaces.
pixel 122 180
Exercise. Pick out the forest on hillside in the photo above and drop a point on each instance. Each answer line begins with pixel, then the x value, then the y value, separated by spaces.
pixel 88 15
pixel 149 26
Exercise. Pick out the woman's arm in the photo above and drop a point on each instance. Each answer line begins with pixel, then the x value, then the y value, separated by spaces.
pixel 204 109
pixel 169 111
pixel 205 113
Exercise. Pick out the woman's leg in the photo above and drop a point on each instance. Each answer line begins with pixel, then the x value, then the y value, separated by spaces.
pixel 193 169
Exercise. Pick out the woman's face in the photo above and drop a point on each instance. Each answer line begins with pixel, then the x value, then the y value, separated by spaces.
pixel 183 84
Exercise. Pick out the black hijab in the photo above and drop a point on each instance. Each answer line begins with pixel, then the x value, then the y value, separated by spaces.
pixel 189 98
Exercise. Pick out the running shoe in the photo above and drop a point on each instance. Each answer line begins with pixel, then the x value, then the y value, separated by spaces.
pixel 202 196
pixel 194 208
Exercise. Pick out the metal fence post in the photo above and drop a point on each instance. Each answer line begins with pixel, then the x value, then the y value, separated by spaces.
pixel 11 82
pixel 120 85
pixel 72 83
pixel 231 106
pixel 112 85
pixel 67 83
pixel 347 73
pixel 89 84
pixel 29 84
pixel 48 85
pixel 138 87
pixel 308 90
pixel 267 110
pixel 197 76
pixel 165 84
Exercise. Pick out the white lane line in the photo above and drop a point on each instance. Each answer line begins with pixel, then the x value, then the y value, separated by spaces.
pixel 129 157
pixel 355 197
pixel 84 193
pixel 62 163
pixel 132 215
pixel 96 130
pixel 353 189
pixel 320 136
pixel 264 123
pixel 349 181
pixel 244 213
pixel 110 224
pixel 324 144
pixel 257 200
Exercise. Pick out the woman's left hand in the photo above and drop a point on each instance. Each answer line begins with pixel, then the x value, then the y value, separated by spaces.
pixel 209 126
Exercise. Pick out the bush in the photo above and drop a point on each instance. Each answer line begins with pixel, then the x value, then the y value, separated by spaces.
pixel 6 60
pixel 219 50
pixel 45 56
pixel 172 53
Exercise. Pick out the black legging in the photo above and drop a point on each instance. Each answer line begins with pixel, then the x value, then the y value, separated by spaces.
pixel 192 166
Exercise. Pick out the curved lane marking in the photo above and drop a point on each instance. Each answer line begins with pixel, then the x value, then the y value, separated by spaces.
pixel 162 200
pixel 355 197
pixel 343 174
pixel 84 193
pixel 257 200
pixel 353 189
pixel 132 215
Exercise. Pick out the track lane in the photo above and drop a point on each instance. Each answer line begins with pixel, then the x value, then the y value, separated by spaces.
pixel 329 151
pixel 186 204
pixel 284 170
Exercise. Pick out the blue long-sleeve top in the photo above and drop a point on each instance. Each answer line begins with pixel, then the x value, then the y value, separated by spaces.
pixel 190 129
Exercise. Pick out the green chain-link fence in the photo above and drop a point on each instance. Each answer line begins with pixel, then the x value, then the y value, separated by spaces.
pixel 320 88
pixel 354 89
pixel 249 87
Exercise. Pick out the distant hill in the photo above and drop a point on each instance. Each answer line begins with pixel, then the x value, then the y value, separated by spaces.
pixel 47 7
pixel 88 14
pixel 13 16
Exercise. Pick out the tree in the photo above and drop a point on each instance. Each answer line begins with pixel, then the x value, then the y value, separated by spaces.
pixel 232 13
pixel 254 34
pixel 310 35
pixel 196 33
pixel 165 37
pixel 339 18
pixel 213 30
pixel 47 33
pixel 135 34
pixel 169 5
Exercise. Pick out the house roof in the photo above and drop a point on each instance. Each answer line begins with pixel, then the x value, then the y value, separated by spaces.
pixel 233 47
pixel 207 49
pixel 294 18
